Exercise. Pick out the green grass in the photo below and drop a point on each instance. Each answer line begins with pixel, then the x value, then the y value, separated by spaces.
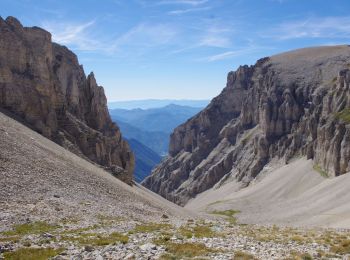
pixel 320 171
pixel 13 239
pixel 240 255
pixel 78 231
pixel 186 250
pixel 230 214
pixel 32 254
pixel 38 227
pixel 198 231
pixel 342 247
pixel 97 239
pixel 151 227
pixel 344 115
pixel 299 256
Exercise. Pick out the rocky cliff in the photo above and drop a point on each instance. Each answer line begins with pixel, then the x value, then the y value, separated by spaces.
pixel 42 83
pixel 288 105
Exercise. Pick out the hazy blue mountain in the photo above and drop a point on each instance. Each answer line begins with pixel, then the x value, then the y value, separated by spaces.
pixel 157 141
pixel 146 159
pixel 148 132
pixel 163 119
pixel 156 103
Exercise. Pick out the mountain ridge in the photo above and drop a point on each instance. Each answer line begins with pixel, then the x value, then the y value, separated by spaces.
pixel 286 105
pixel 43 83
pixel 156 103
pixel 163 119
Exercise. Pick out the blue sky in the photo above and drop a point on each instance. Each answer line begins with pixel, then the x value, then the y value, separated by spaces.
pixel 180 48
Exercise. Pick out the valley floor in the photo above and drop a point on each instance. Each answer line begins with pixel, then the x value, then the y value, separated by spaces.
pixel 110 237
pixel 296 194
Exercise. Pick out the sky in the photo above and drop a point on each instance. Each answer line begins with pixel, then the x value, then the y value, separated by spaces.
pixel 180 49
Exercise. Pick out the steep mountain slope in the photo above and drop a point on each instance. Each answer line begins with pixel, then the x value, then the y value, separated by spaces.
pixel 42 180
pixel 293 194
pixel 42 83
pixel 156 103
pixel 293 104
pixel 163 119
pixel 145 159
pixel 156 141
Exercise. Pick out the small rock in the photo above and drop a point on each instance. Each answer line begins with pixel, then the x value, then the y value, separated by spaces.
pixel 148 247
pixel 48 235
pixel 89 248
pixel 99 257
pixel 130 256
pixel 165 216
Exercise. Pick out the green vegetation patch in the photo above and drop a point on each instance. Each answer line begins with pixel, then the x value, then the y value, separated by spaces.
pixel 13 239
pixel 344 115
pixel 97 239
pixel 32 254
pixel 320 171
pixel 38 227
pixel 186 250
pixel 198 231
pixel 342 247
pixel 151 227
pixel 299 256
pixel 240 255
pixel 230 214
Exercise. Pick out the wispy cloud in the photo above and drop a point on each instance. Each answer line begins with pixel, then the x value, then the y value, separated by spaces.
pixel 189 10
pixel 216 36
pixel 73 34
pixel 183 2
pixel 231 54
pixel 327 27
pixel 149 35
pixel 137 39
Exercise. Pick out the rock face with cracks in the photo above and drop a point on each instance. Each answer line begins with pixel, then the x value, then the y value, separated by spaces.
pixel 43 85
pixel 288 105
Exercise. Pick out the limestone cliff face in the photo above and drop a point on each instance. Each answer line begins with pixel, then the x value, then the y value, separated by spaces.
pixel 43 83
pixel 288 105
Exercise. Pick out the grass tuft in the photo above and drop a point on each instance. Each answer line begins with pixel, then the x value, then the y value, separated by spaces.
pixel 38 227
pixel 186 250
pixel 97 239
pixel 32 254
pixel 150 227
pixel 344 115
pixel 230 214
pixel 240 255
pixel 320 171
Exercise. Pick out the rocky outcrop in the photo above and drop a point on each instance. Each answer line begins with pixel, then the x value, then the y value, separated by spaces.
pixel 288 105
pixel 43 83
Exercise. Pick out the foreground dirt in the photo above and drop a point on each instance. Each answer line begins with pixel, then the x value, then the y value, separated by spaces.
pixel 115 238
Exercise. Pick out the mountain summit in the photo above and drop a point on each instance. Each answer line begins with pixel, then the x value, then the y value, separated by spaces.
pixel 43 84
pixel 285 106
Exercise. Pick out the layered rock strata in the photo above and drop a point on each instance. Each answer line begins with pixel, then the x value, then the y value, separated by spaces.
pixel 288 105
pixel 43 83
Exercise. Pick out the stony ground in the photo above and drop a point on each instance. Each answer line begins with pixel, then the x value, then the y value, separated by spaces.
pixel 109 237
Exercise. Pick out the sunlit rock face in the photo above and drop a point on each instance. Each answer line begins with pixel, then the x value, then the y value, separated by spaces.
pixel 43 84
pixel 288 105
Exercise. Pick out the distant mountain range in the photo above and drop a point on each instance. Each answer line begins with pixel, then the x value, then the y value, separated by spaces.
pixel 146 159
pixel 148 132
pixel 157 141
pixel 163 119
pixel 156 103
